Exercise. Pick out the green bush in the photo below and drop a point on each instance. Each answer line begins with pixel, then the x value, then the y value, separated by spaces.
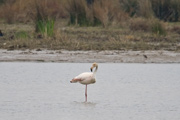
pixel 46 28
pixel 44 22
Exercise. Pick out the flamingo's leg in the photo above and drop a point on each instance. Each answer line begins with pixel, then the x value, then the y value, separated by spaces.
pixel 86 94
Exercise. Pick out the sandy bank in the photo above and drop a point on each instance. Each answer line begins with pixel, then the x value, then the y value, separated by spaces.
pixel 90 56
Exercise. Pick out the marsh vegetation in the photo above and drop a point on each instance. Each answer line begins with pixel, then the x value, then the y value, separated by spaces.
pixel 90 24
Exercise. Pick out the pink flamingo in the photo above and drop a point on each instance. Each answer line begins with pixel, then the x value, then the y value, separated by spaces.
pixel 86 78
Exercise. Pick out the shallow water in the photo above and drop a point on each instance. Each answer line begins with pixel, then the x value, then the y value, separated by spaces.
pixel 42 91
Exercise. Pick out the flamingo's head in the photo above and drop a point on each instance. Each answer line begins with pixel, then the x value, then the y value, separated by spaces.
pixel 93 66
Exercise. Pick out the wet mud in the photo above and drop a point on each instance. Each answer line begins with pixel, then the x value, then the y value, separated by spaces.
pixel 112 56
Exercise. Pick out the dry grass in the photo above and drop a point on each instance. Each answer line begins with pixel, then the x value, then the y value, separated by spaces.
pixel 176 29
pixel 91 38
pixel 148 25
pixel 140 24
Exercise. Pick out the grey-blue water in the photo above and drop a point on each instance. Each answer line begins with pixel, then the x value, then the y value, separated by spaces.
pixel 42 91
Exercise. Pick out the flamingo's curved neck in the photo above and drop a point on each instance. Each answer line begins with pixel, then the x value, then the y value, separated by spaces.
pixel 95 70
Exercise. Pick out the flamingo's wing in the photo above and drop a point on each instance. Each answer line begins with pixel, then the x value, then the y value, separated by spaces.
pixel 87 78
pixel 84 78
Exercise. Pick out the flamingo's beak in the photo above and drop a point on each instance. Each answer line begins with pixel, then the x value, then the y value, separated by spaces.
pixel 91 69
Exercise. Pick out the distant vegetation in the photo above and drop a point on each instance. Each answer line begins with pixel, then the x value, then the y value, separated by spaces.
pixel 89 12
pixel 134 21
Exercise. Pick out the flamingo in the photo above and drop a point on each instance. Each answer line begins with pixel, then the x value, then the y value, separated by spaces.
pixel 86 78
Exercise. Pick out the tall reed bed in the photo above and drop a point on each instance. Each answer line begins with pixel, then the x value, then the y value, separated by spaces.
pixel 79 13
pixel 13 11
pixel 99 12
pixel 167 10
pixel 90 12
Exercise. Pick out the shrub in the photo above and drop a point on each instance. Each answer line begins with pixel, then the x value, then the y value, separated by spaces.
pixel 158 28
pixel 140 24
pixel 148 25
pixel 46 28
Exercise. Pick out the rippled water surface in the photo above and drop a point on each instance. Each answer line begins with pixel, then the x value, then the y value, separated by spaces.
pixel 42 91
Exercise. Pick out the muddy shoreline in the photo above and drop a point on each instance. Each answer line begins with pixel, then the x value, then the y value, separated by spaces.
pixel 113 56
